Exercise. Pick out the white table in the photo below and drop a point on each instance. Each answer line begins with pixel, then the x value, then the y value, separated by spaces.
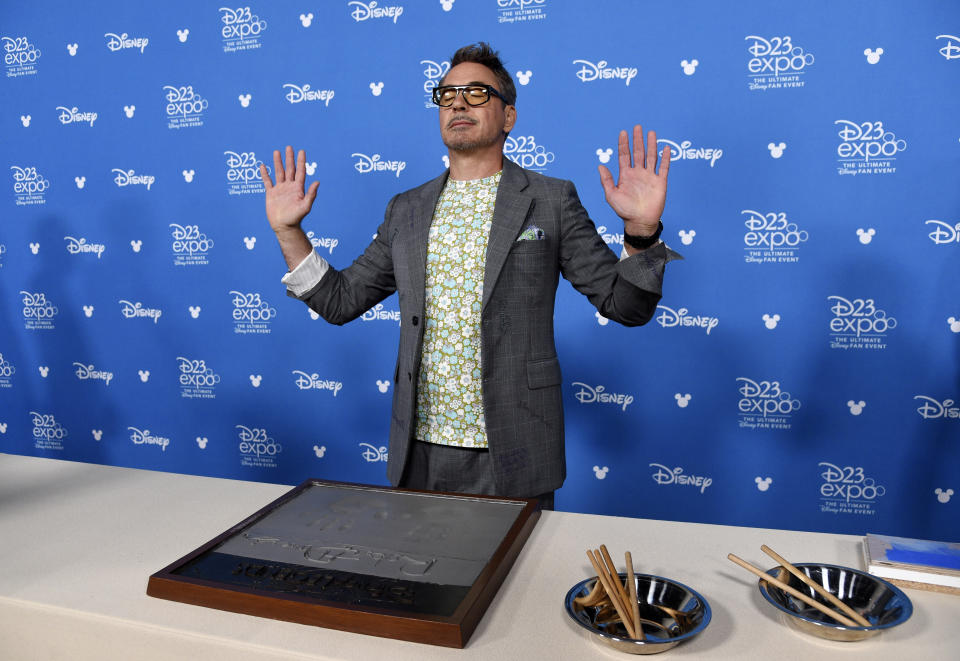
pixel 80 540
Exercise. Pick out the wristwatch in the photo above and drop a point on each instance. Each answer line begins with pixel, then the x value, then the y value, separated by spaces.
pixel 641 242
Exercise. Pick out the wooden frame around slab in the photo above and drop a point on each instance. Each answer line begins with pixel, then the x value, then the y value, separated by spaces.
pixel 449 631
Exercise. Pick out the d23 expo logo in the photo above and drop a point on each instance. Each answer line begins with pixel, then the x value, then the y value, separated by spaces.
pixel 433 73
pixel 48 434
pixel 7 370
pixel 243 173
pixel 518 11
pixel 867 148
pixel 184 107
pixel 776 63
pixel 257 449
pixel 38 311
pixel 196 380
pixel 19 56
pixel 251 314
pixel 29 186
pixel 770 238
pixel 765 405
pixel 191 247
pixel 525 152
pixel 858 324
pixel 848 490
pixel 241 29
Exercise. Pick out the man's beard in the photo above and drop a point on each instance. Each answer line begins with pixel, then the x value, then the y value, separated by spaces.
pixel 456 142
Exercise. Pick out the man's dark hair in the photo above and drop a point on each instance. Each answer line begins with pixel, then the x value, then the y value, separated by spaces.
pixel 483 53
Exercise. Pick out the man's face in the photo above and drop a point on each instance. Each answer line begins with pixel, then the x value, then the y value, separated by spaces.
pixel 467 128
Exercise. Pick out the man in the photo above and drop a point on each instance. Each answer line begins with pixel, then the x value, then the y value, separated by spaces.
pixel 475 256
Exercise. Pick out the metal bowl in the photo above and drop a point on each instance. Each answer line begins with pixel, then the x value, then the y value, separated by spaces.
pixel 671 614
pixel 882 604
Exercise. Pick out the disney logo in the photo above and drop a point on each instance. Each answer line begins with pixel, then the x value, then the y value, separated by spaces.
pixel 73 115
pixel 944 233
pixel 364 10
pixel 313 381
pixel 130 178
pixel 145 437
pixel 849 483
pixel 133 310
pixel 372 453
pixel 590 395
pixel 75 246
pixel 117 42
pixel 325 242
pixel 374 163
pixel 298 94
pixel 609 238
pixel 600 71
pixel 378 313
pixel 664 475
pixel 931 408
pixel 951 50
pixel 670 318
pixel 685 151
pixel 85 372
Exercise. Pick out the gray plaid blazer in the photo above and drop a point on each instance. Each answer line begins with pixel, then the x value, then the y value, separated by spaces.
pixel 521 375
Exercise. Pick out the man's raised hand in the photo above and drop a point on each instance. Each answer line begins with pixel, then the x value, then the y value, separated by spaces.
pixel 641 192
pixel 287 202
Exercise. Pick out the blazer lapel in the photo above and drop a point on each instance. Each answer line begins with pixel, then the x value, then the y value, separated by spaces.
pixel 509 213
pixel 420 222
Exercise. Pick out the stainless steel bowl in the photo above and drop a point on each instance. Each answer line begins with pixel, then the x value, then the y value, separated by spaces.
pixel 882 604
pixel 671 614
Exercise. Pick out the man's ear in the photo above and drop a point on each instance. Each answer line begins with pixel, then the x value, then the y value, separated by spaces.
pixel 511 118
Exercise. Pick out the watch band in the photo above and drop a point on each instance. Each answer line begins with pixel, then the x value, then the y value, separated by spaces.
pixel 641 242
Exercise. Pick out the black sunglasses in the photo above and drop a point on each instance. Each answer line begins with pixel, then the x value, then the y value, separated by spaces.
pixel 474 95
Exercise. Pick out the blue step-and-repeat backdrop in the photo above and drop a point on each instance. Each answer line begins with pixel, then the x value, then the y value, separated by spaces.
pixel 801 371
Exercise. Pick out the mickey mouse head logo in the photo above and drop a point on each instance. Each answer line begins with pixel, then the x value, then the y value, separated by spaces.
pixel 856 408
pixel 603 321
pixel 943 495
pixel 72 49
pixel 188 175
pixel 202 442
pixel 80 181
pixel 446 162
pixel 682 400
pixel 88 310
pixel 601 473
pixel 446 4
pixel 144 375
pixel 194 311
pixel 690 67
pixel 250 242
pixel 524 76
pixel 244 100
pixel 686 238
pixel 763 483
pixel 954 324
pixel 255 380
pixel 97 434
pixel 306 20
pixel 383 386
pixel 129 110
pixel 183 34
pixel 3 428
pixel 314 315
pixel 866 235
pixel 376 88
pixel 873 56
pixel 604 154
pixel 34 248
pixel 776 150
pixel 25 120
pixel 319 451
pixel 135 245
pixel 311 167
pixel 771 321
pixel 44 370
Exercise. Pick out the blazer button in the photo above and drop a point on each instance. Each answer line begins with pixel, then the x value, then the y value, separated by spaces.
pixel 416 320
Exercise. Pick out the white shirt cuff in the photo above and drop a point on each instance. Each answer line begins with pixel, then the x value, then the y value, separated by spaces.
pixel 623 250
pixel 306 275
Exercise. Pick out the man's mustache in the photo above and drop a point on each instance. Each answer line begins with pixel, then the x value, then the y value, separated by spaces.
pixel 460 118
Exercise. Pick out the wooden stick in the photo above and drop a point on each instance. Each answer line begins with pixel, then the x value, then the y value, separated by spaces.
pixel 615 579
pixel 816 586
pixel 632 579
pixel 796 593
pixel 611 591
